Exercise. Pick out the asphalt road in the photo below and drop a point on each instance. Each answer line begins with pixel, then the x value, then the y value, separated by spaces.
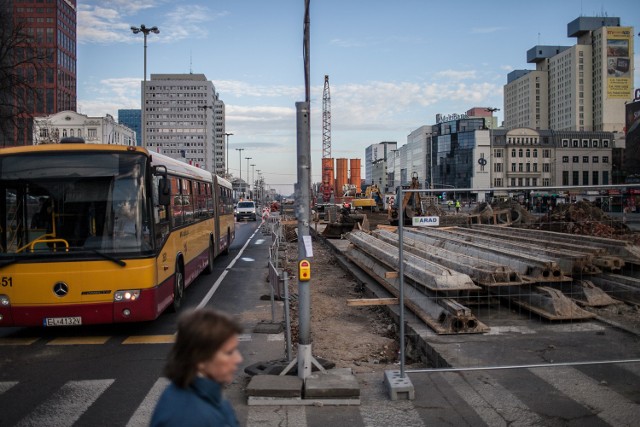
pixel 112 375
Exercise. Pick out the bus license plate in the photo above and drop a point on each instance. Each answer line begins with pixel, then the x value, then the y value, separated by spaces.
pixel 62 321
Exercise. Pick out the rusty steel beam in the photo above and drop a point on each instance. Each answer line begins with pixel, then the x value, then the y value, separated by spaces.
pixel 620 287
pixel 424 272
pixel 529 266
pixel 443 315
pixel 601 256
pixel 545 301
pixel 569 261
pixel 483 272
pixel 620 248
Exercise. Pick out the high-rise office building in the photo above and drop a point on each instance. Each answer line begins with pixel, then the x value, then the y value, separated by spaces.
pixel 185 120
pixel 133 120
pixel 583 87
pixel 51 27
pixel 375 153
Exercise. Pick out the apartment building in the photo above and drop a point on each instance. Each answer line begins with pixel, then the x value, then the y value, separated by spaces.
pixel 52 27
pixel 184 119
pixel 583 87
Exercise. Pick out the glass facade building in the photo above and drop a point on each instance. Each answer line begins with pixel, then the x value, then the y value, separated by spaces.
pixel 133 120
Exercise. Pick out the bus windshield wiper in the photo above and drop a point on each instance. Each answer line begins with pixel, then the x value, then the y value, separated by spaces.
pixel 105 256
pixel 109 257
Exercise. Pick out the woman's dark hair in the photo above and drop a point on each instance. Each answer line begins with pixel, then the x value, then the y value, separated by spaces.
pixel 201 333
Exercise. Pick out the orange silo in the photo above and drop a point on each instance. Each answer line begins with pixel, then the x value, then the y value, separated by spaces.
pixel 354 177
pixel 328 179
pixel 341 176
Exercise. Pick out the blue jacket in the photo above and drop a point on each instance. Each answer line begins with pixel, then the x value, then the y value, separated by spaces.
pixel 201 404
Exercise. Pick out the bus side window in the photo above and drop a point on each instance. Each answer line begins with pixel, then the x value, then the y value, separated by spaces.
pixel 160 214
pixel 176 202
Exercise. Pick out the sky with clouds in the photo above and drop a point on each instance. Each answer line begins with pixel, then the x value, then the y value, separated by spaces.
pixel 392 66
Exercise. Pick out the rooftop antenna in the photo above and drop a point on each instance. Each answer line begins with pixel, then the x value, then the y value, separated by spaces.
pixel 538 39
pixel 190 62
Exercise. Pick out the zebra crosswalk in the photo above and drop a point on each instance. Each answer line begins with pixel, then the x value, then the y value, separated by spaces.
pixel 535 396
pixel 77 395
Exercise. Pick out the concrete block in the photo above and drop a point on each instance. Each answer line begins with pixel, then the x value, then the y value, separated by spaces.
pixel 268 328
pixel 398 387
pixel 332 384
pixel 275 386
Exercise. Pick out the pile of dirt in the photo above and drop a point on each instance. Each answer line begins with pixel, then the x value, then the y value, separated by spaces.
pixel 361 338
pixel 582 218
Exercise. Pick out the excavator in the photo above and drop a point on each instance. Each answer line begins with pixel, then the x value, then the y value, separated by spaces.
pixel 411 205
pixel 371 200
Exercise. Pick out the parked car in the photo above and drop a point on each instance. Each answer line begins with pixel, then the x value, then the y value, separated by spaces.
pixel 246 210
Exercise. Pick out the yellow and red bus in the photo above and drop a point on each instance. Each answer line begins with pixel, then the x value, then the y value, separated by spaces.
pixel 104 233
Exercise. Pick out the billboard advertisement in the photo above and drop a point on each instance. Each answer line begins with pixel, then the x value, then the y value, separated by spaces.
pixel 619 62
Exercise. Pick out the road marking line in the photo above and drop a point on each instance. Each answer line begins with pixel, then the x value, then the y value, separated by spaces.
pixel 6 385
pixel 610 406
pixel 142 416
pixel 78 340
pixel 18 341
pixel 217 283
pixel 150 339
pixel 66 406
pixel 496 405
pixel 499 330
pixel 275 337
pixel 244 337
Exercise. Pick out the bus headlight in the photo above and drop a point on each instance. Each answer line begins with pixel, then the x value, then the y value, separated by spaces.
pixel 4 301
pixel 126 295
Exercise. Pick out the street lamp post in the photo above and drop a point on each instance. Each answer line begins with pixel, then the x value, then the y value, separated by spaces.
pixel 248 181
pixel 253 175
pixel 240 150
pixel 259 187
pixel 145 32
pixel 205 107
pixel 226 148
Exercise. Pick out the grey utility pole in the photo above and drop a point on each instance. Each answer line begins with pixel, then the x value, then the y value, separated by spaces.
pixel 305 250
pixel 305 358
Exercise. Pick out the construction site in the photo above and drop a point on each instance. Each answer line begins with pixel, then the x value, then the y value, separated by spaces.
pixel 478 270
pixel 482 275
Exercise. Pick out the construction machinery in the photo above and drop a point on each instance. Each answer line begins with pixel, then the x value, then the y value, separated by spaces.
pixel 371 199
pixel 411 205
pixel 327 161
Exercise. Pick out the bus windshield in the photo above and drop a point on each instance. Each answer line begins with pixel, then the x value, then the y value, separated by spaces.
pixel 74 203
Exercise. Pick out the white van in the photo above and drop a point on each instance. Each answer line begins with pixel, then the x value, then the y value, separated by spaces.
pixel 246 209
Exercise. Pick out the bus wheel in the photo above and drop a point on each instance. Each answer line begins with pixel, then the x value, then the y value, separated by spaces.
pixel 209 268
pixel 178 289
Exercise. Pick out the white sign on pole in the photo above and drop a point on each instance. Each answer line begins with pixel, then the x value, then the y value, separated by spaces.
pixel 426 221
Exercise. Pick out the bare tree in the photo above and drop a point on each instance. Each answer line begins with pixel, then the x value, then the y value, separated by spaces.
pixel 20 62
pixel 44 132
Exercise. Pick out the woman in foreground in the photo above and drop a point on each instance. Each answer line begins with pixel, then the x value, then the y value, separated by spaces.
pixel 204 358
